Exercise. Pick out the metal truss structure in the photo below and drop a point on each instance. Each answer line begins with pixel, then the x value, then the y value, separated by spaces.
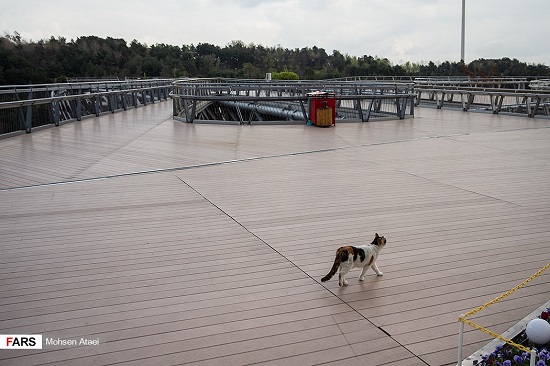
pixel 261 101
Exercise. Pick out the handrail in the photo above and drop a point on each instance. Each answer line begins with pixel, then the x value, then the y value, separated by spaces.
pixel 76 85
pixel 53 103
pixel 28 106
pixel 531 102
pixel 40 101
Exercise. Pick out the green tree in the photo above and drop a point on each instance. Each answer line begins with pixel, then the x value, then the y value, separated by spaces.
pixel 55 59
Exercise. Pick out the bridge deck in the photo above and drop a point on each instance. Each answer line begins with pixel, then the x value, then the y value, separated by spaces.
pixel 200 244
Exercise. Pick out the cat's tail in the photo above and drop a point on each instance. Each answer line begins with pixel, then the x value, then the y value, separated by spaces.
pixel 341 256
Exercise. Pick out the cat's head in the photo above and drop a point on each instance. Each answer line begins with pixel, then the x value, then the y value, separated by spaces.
pixel 380 241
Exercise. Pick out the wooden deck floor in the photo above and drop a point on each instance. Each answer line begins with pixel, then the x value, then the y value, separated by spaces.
pixel 177 244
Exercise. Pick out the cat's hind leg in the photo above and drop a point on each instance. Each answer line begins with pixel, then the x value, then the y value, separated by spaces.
pixel 344 269
pixel 363 272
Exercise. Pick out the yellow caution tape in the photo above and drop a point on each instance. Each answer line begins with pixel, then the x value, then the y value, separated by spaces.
pixel 472 312
pixel 492 334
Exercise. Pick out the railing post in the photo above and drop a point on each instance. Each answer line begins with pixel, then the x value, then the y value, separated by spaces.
pixel 360 110
pixel 124 102
pixel 186 111
pixel 371 102
pixel 79 105
pixel 56 113
pixel 28 120
pixel 532 361
pixel 97 106
pixel 404 101
pixel 439 101
pixel 79 108
pixel 460 341
pixel 111 98
pixel 418 97
pixel 493 102
pixel 499 107
pixel 536 108
pixel 193 110
pixel 28 117
pixel 528 105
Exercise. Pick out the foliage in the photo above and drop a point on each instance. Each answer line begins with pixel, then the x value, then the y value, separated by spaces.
pixel 56 59
pixel 284 75
pixel 509 356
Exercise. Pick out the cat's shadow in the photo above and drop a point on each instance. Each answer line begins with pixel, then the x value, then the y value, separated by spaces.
pixel 371 283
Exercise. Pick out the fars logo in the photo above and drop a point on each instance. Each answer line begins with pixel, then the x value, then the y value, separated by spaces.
pixel 21 341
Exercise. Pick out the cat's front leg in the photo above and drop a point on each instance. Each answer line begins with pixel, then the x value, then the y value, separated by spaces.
pixel 376 269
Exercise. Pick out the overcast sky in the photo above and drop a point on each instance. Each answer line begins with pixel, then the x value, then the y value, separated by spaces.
pixel 400 30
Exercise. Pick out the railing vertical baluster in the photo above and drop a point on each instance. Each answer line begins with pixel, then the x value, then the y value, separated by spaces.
pixel 56 113
pixel 28 116
pixel 533 359
pixel 460 341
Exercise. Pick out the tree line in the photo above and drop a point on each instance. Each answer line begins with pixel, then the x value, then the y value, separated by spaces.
pixel 56 59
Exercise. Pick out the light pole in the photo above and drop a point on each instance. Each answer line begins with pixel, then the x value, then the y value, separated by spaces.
pixel 463 31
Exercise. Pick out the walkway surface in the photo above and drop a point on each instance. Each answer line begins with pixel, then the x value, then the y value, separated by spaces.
pixel 173 244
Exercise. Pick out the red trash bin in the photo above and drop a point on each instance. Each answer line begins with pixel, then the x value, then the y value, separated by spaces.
pixel 322 108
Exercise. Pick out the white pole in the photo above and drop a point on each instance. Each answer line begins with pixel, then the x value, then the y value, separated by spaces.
pixel 533 356
pixel 463 31
pixel 460 341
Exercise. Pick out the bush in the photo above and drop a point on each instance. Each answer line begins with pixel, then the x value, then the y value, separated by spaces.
pixel 284 75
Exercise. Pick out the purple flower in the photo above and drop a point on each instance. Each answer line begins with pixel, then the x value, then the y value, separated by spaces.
pixel 518 359
pixel 541 363
pixel 507 363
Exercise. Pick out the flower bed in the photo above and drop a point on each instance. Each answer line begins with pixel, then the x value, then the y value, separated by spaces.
pixel 507 355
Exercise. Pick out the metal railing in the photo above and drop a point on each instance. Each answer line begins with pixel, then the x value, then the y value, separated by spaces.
pixel 24 107
pixel 529 96
pixel 511 82
pixel 261 101
pixel 523 101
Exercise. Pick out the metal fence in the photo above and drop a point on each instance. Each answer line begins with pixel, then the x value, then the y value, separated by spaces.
pixel 217 100
pixel 517 95
pixel 261 101
pixel 28 106
pixel 522 101
pixel 510 82
pixel 525 95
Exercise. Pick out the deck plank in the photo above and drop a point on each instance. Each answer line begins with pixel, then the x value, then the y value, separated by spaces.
pixel 178 244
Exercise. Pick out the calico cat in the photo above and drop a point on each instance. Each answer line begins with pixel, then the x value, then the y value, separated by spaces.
pixel 349 257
